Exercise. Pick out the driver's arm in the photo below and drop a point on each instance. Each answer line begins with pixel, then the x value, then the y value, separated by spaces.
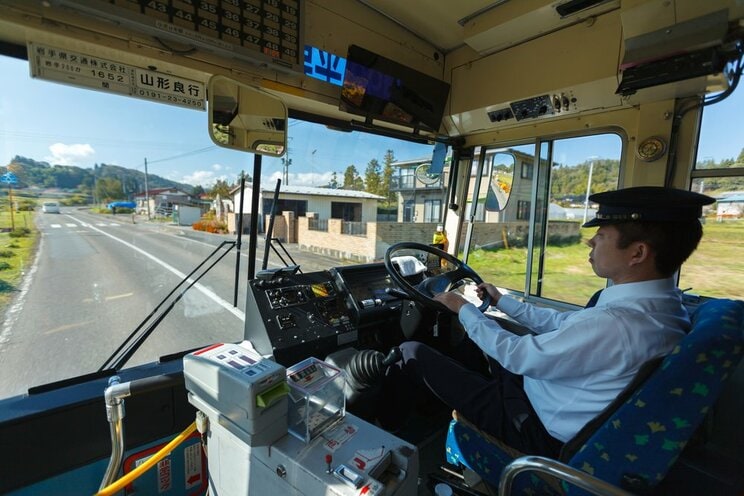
pixel 451 300
pixel 454 301
pixel 487 288
pixel 538 320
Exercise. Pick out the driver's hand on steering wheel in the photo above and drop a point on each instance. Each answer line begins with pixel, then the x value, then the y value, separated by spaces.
pixel 451 300
pixel 487 287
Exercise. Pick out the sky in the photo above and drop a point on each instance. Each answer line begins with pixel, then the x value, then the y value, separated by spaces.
pixel 41 121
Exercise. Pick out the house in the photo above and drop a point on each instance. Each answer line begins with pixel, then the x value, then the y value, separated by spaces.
pixel 730 207
pixel 556 212
pixel 162 200
pixel 421 197
pixel 320 204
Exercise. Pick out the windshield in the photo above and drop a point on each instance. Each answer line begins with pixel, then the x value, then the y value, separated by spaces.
pixel 144 196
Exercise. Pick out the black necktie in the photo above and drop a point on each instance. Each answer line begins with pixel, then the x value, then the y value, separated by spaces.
pixel 593 300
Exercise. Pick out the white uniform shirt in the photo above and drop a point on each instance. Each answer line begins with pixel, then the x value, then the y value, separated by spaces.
pixel 579 361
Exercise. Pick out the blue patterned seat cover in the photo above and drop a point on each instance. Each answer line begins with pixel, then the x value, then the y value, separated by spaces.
pixel 636 447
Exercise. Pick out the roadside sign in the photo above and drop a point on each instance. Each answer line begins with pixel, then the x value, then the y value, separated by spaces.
pixel 9 178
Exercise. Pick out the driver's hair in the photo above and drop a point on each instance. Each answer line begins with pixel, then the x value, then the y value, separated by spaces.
pixel 672 242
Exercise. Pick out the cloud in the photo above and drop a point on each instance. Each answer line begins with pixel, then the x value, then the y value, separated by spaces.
pixel 216 167
pixel 69 154
pixel 303 178
pixel 202 177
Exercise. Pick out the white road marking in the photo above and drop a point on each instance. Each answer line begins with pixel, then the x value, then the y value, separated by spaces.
pixel 71 225
pixel 207 292
pixel 15 310
pixel 56 226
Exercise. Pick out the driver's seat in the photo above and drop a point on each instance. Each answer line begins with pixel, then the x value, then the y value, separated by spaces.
pixel 638 443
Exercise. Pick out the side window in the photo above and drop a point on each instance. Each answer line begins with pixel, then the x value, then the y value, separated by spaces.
pixel 579 167
pixel 408 210
pixel 534 243
pixel 715 268
pixel 523 210
pixel 432 210
pixel 527 170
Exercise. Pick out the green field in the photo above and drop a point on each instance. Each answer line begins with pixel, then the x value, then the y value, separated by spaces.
pixel 16 253
pixel 715 269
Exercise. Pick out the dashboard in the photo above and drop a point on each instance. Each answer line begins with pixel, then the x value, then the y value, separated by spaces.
pixel 292 315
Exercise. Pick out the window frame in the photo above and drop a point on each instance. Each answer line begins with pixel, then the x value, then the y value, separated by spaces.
pixel 534 260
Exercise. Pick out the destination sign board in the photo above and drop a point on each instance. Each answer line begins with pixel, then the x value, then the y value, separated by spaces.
pixel 87 71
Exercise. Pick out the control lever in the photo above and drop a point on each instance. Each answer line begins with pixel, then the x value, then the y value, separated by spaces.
pixel 398 293
pixel 371 302
pixel 393 356
pixel 367 367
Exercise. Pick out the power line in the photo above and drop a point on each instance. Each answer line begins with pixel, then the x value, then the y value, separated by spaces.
pixel 182 155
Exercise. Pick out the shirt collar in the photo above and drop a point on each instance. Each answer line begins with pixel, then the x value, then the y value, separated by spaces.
pixel 636 290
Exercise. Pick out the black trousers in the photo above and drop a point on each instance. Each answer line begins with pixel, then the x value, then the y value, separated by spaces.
pixel 494 399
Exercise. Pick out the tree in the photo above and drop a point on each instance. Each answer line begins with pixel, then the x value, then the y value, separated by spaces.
pixel 109 188
pixel 198 190
pixel 372 179
pixel 220 188
pixel 333 183
pixel 352 180
pixel 387 177
pixel 247 178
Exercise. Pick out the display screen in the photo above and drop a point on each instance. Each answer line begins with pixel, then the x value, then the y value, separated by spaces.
pixel 322 289
pixel 379 88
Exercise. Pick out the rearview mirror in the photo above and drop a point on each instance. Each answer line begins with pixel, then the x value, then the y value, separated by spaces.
pixel 500 181
pixel 246 118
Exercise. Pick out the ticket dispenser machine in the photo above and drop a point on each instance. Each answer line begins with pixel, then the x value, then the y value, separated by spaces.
pixel 268 434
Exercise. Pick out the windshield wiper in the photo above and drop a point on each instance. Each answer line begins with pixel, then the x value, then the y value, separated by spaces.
pixel 132 343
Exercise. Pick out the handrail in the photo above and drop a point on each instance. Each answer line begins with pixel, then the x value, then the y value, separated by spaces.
pixel 558 470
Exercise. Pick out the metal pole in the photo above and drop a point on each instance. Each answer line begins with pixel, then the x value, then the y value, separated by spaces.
pixel 588 190
pixel 10 205
pixel 270 231
pixel 253 237
pixel 239 223
pixel 147 192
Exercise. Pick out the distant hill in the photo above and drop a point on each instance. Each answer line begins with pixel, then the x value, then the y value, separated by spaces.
pixel 32 173
pixel 569 183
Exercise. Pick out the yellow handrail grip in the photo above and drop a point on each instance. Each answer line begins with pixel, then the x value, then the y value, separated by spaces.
pixel 121 483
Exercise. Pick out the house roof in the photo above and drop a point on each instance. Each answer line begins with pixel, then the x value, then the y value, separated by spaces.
pixel 160 191
pixel 739 197
pixel 315 191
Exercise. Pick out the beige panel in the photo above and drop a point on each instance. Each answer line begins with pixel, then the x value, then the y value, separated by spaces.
pixel 654 119
pixel 574 55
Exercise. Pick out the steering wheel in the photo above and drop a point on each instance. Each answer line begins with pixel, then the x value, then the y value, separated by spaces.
pixel 425 291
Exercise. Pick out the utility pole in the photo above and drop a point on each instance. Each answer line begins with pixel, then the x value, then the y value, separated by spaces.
pixel 10 179
pixel 286 162
pixel 147 192
pixel 588 190
pixel 10 204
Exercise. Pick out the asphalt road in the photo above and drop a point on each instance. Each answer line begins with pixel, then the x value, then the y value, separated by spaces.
pixel 95 278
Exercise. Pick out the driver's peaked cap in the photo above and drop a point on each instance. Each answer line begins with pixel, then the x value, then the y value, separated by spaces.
pixel 648 204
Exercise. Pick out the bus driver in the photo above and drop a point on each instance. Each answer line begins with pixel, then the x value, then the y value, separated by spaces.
pixel 544 387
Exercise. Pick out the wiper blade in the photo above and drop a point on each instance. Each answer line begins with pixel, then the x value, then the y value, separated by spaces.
pixel 131 344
